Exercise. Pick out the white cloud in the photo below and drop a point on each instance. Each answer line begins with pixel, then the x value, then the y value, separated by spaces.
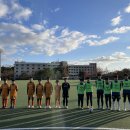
pixel 38 27
pixel 55 10
pixel 128 47
pixel 120 30
pixel 127 9
pixel 116 21
pixel 50 41
pixel 13 10
pixel 3 9
pixel 20 12
pixel 102 42
pixel 115 61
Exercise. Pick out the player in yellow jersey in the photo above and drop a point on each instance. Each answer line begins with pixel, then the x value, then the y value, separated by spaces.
pixel 13 93
pixel 30 92
pixel 4 93
pixel 39 93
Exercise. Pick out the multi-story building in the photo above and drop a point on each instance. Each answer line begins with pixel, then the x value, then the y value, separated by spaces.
pixel 73 70
pixel 88 70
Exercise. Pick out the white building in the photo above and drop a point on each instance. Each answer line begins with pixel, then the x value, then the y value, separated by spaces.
pixel 88 70
pixel 31 67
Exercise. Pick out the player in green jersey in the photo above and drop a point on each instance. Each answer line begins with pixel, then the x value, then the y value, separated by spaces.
pixel 126 90
pixel 107 93
pixel 99 86
pixel 89 91
pixel 80 91
pixel 116 88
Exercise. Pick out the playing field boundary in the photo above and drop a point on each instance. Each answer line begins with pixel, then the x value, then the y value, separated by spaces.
pixel 66 128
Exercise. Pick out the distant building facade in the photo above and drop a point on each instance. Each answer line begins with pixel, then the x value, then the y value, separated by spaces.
pixel 87 70
pixel 73 70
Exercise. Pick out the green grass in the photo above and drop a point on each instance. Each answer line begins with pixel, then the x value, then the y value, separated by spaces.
pixel 22 117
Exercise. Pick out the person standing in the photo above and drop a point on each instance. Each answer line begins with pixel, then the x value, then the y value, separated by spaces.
pixel 30 92
pixel 39 93
pixel 116 88
pixel 89 93
pixel 107 93
pixel 13 94
pixel 4 93
pixel 80 91
pixel 65 94
pixel 126 90
pixel 48 89
pixel 57 94
pixel 100 92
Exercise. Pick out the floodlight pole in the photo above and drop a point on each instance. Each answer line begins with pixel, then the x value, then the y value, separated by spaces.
pixel 0 64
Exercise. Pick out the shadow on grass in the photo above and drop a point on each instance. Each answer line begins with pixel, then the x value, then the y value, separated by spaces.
pixel 62 118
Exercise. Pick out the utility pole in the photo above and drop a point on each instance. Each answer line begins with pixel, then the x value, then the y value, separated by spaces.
pixel 0 62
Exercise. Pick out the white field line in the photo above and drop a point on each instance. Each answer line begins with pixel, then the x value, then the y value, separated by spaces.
pixel 68 128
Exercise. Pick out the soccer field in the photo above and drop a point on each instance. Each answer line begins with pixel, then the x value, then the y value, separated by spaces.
pixel 71 118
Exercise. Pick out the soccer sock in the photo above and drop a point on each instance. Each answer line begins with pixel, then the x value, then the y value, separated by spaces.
pixel 11 102
pixel 40 102
pixel 28 102
pixel 113 105
pixel 118 105
pixel 14 102
pixel 3 103
pixel 124 105
pixel 6 102
pixel 32 103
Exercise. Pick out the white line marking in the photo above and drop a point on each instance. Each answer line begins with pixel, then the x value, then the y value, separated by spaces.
pixel 68 128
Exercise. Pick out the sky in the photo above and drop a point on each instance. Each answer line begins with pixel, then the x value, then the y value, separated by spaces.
pixel 77 31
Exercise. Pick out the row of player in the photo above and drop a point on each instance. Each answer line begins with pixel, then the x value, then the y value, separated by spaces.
pixel 111 90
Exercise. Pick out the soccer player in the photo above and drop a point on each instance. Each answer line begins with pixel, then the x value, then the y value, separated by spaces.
pixel 107 93
pixel 48 89
pixel 99 86
pixel 30 92
pixel 65 94
pixel 116 88
pixel 57 94
pixel 13 93
pixel 80 91
pixel 126 90
pixel 4 92
pixel 89 92
pixel 39 93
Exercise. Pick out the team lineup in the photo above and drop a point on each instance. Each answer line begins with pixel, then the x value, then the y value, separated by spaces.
pixel 111 90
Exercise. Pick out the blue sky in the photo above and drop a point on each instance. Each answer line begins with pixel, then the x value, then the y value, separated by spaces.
pixel 78 31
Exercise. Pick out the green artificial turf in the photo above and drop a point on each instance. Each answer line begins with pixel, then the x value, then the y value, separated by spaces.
pixel 21 117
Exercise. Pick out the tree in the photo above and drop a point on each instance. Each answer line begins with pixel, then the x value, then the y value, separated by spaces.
pixel 7 72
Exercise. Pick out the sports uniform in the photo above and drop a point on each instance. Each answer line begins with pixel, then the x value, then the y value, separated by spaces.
pixel 65 93
pixel 39 93
pixel 126 91
pixel 48 89
pixel 107 93
pixel 57 94
pixel 13 94
pixel 30 92
pixel 116 88
pixel 80 91
pixel 89 91
pixel 4 93
pixel 99 86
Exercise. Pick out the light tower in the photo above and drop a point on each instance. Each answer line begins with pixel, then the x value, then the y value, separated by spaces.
pixel 1 50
